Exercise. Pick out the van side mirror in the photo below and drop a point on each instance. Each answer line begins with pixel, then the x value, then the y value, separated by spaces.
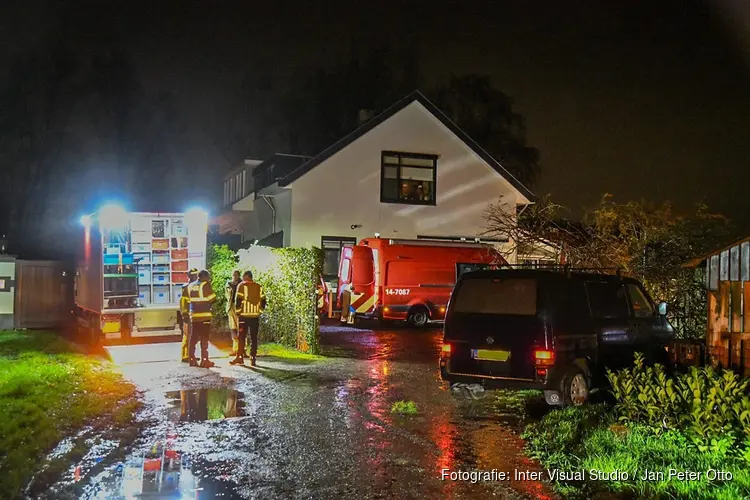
pixel 662 308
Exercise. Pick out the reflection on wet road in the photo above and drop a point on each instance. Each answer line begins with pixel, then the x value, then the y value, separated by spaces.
pixel 314 430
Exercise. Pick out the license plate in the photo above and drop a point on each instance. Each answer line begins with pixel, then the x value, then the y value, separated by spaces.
pixel 490 354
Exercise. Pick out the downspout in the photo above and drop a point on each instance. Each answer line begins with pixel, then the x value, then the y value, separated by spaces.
pixel 273 213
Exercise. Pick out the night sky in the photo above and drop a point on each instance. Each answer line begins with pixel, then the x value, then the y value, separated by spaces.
pixel 640 101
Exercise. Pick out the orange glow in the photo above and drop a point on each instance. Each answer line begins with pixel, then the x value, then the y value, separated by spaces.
pixel 544 357
pixel 442 310
pixel 386 309
pixel 447 348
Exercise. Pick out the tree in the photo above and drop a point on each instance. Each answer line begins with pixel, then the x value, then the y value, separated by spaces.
pixel 486 115
pixel 321 105
pixel 646 241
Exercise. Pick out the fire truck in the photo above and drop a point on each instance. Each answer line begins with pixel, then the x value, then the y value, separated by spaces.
pixel 134 264
pixel 406 280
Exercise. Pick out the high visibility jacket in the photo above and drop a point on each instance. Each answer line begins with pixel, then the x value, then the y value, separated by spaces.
pixel 185 301
pixel 202 298
pixel 249 300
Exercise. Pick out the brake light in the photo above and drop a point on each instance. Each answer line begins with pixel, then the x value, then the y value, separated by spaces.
pixel 544 357
pixel 446 349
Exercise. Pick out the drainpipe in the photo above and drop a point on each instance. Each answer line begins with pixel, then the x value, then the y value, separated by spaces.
pixel 273 213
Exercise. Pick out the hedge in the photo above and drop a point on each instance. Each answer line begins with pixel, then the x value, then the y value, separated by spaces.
pixel 289 277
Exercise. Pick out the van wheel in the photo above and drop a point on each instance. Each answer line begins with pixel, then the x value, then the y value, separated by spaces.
pixel 418 317
pixel 575 386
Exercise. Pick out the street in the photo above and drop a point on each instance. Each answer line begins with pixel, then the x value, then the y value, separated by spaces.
pixel 307 429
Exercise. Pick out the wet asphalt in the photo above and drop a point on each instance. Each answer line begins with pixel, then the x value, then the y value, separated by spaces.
pixel 320 429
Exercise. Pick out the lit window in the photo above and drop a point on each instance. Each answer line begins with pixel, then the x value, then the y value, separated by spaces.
pixel 408 178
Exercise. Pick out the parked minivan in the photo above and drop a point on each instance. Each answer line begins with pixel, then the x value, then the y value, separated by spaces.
pixel 556 330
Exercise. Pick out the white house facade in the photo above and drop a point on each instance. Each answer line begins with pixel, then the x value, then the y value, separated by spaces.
pixel 406 173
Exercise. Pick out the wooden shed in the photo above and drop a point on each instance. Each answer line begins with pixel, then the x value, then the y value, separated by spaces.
pixel 34 294
pixel 728 283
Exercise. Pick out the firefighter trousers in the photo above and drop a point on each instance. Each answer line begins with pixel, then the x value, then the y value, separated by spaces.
pixel 199 333
pixel 249 328
pixel 185 339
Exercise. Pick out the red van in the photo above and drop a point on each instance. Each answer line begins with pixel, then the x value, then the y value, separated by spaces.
pixel 406 280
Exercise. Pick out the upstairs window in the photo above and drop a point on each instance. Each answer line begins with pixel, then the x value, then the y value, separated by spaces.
pixel 408 178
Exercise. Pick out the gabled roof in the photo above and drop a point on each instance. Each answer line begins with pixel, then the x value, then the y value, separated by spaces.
pixel 380 118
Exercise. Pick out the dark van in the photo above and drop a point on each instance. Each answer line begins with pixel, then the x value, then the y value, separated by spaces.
pixel 556 330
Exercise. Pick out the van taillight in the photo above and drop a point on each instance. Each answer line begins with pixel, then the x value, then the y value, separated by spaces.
pixel 544 357
pixel 446 351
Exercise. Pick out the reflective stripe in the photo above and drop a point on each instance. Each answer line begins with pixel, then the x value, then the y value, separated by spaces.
pixel 200 303
pixel 249 298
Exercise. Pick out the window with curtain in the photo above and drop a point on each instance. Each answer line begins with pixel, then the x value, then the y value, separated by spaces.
pixel 408 178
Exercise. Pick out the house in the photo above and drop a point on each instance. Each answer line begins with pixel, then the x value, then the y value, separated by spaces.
pixel 408 172
pixel 727 279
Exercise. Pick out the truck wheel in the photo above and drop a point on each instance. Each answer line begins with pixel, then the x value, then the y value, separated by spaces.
pixel 418 316
pixel 575 388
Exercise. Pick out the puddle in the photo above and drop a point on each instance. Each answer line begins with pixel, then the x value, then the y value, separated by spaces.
pixel 198 405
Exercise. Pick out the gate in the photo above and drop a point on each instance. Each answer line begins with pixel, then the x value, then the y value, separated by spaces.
pixel 43 294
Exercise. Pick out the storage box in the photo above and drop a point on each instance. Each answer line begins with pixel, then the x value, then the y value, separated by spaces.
pixel 161 268
pixel 179 265
pixel 142 258
pixel 160 278
pixel 179 254
pixel 160 244
pixel 180 242
pixel 140 236
pixel 161 294
pixel 141 247
pixel 160 258
pixel 144 294
pixel 179 278
pixel 176 293
pixel 144 275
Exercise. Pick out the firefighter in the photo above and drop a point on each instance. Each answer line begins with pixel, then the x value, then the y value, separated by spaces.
pixel 229 290
pixel 185 314
pixel 202 297
pixel 249 302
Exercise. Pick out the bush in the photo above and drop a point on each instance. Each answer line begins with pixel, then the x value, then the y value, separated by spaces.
pixel 289 277
pixel 713 408
pixel 221 262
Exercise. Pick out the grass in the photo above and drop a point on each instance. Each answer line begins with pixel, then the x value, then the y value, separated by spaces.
pixel 404 408
pixel 523 403
pixel 281 351
pixel 49 389
pixel 587 438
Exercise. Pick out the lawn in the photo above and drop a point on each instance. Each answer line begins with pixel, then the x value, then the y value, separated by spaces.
pixel 589 439
pixel 49 389
pixel 281 351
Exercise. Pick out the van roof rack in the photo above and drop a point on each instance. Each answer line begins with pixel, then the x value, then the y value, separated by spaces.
pixel 567 268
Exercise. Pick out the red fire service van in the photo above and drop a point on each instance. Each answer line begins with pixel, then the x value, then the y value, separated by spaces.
pixel 410 280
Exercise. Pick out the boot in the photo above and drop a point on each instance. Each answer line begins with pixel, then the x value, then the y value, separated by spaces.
pixel 237 361
pixel 186 360
pixel 207 364
pixel 252 361
pixel 193 362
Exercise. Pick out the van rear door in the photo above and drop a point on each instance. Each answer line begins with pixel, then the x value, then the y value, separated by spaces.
pixel 494 327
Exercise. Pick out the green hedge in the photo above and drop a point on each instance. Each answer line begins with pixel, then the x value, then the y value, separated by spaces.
pixel 289 277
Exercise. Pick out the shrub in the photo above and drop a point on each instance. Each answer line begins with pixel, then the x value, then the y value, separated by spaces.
pixel 713 408
pixel 289 277
pixel 221 262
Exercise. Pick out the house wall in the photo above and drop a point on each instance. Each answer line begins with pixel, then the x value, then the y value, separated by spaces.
pixel 258 223
pixel 344 190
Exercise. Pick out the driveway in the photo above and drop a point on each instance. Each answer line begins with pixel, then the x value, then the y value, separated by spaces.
pixel 321 429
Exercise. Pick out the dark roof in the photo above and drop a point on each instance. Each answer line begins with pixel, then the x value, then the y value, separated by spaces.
pixel 380 118
pixel 700 260
pixel 520 273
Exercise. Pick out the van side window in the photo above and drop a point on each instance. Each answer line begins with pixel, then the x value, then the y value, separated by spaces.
pixel 607 300
pixel 642 307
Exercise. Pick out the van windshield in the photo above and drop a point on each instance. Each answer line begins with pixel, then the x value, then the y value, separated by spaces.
pixel 496 296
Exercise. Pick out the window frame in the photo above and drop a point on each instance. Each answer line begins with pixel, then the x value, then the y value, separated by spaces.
pixel 645 296
pixel 342 241
pixel 399 166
